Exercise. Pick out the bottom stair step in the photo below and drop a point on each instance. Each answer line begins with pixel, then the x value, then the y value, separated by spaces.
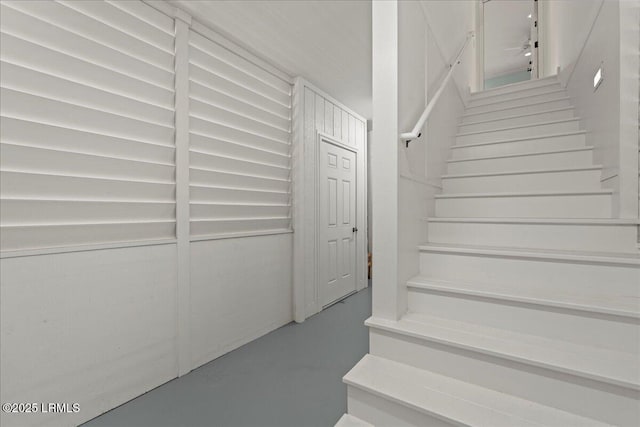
pixel 348 420
pixel 561 357
pixel 436 399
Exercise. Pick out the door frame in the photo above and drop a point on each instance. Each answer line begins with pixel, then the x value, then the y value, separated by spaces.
pixel 306 135
pixel 324 138
pixel 540 8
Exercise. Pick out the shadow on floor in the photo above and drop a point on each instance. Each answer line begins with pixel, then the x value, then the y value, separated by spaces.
pixel 291 377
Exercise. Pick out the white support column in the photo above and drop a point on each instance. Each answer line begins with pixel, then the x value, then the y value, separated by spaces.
pixel 629 76
pixel 182 22
pixel 298 202
pixel 384 160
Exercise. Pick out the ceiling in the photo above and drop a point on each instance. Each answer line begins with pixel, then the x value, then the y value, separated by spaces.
pixel 506 26
pixel 327 42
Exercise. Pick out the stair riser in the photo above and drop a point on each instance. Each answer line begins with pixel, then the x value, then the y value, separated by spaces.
pixel 475 101
pixel 592 399
pixel 519 147
pixel 557 206
pixel 608 238
pixel 516 102
pixel 563 160
pixel 515 88
pixel 612 332
pixel 520 132
pixel 384 412
pixel 517 121
pixel 559 181
pixel 532 274
pixel 496 113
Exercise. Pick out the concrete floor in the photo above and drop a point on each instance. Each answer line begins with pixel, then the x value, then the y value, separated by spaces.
pixel 289 377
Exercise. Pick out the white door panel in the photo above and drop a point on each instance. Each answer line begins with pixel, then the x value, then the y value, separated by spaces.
pixel 338 231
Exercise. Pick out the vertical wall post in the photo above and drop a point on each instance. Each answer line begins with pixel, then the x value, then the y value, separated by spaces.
pixel 298 202
pixel 384 160
pixel 182 22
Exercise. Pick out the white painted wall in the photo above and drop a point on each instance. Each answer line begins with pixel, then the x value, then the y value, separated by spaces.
pixel 99 326
pixel 412 67
pixel 241 289
pixel 580 37
pixel 629 108
pixel 449 23
pixel 598 109
pixel 421 67
pixel 565 26
pixel 96 328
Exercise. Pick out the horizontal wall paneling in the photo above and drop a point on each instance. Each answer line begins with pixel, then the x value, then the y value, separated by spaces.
pixel 87 124
pixel 240 143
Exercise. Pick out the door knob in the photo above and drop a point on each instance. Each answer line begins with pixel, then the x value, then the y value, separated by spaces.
pixel 355 229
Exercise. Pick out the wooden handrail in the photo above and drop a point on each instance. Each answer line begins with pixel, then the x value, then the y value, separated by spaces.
pixel 416 132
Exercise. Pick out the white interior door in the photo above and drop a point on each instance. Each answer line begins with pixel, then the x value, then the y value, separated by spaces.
pixel 338 230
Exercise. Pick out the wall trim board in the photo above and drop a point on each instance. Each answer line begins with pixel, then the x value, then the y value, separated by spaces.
pixel 84 248
pixel 240 235
pixel 422 181
pixel 298 201
pixel 183 297
pixel 306 140
pixel 608 176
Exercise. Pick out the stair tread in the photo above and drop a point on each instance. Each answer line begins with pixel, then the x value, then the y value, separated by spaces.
pixel 590 362
pixel 467 114
pixel 522 138
pixel 523 194
pixel 518 86
pixel 552 254
pixel 550 92
pixel 531 153
pixel 549 122
pixel 618 305
pixel 517 116
pixel 348 420
pixel 567 221
pixel 522 172
pixel 454 400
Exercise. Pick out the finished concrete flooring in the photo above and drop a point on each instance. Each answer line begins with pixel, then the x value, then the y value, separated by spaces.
pixel 291 377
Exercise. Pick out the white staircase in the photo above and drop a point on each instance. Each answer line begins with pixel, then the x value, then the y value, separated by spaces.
pixel 526 311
